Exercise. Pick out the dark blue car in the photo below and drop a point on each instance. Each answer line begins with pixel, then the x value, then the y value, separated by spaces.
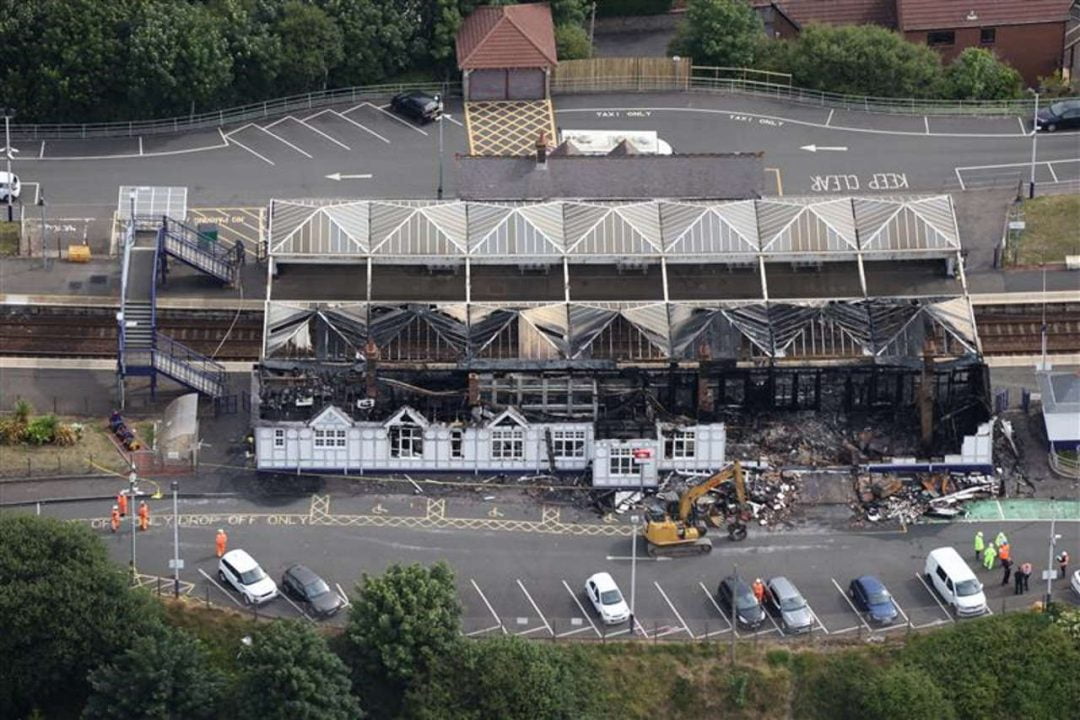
pixel 870 594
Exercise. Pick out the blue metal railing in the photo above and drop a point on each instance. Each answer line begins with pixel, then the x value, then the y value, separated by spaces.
pixel 212 374
pixel 201 252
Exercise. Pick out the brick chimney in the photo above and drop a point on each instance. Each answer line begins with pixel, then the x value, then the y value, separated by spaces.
pixel 541 150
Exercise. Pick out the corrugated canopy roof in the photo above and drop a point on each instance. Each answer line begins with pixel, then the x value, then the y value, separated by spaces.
pixel 507 36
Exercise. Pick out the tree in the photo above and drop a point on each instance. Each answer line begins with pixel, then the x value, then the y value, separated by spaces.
pixel 400 625
pixel 164 674
pixel 254 48
pixel 64 609
pixel 862 60
pixel 905 693
pixel 380 37
pixel 718 32
pixel 572 42
pixel 311 46
pixel 568 12
pixel 508 678
pixel 178 58
pixel 977 74
pixel 288 672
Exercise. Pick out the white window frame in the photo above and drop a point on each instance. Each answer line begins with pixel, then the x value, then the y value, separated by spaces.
pixel 341 437
pixel 507 444
pixel 327 439
pixel 322 439
pixel 568 443
pixel 279 439
pixel 621 462
pixel 682 445
pixel 406 441
pixel 457 444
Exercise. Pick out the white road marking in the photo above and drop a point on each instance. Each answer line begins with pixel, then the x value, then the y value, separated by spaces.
pixel 1050 167
pixel 362 126
pixel 486 603
pixel 1016 165
pixel 278 137
pixel 712 600
pixel 816 618
pixel 933 594
pixel 672 606
pixel 639 559
pixel 536 608
pixel 456 122
pixel 581 608
pixel 41 153
pixel 852 606
pixel 406 123
pixel 344 597
pixel 806 123
pixel 339 176
pixel 926 124
pixel 297 607
pixel 227 593
pixel 1023 127
pixel 140 145
pixel 245 147
pixel 828 122
pixel 314 129
pixel 959 179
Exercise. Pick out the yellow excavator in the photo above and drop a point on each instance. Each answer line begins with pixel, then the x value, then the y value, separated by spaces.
pixel 683 534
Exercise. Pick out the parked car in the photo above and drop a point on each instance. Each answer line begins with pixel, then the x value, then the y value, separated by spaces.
pixel 1059 116
pixel 240 570
pixel 606 598
pixel 11 185
pixel 300 583
pixel 869 594
pixel 418 105
pixel 1076 582
pixel 789 603
pixel 947 573
pixel 739 599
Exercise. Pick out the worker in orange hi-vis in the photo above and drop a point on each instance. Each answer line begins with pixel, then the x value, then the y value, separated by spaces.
pixel 121 503
pixel 144 516
pixel 221 541
pixel 114 519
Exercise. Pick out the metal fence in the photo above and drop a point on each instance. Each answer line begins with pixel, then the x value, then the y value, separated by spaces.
pixel 701 79
pixel 227 116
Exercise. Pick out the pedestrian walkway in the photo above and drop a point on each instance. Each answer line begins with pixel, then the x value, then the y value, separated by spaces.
pixel 1024 509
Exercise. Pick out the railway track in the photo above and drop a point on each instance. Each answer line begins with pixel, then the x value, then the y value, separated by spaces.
pixel 30 331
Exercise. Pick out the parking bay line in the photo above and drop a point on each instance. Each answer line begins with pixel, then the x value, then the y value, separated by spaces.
pixel 934 596
pixel 672 606
pixel 853 609
pixel 215 583
pixel 537 609
pixel 730 627
pixel 406 123
pixel 582 609
pixel 314 129
pixel 486 603
pixel 344 597
pixel 242 146
pixel 296 607
pixel 351 121
pixel 278 137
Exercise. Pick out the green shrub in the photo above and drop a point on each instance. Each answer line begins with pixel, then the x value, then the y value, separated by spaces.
pixel 1056 86
pixel 620 8
pixel 572 42
pixel 978 74
pixel 778 657
pixel 42 430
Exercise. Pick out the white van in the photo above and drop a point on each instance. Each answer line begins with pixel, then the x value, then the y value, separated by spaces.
pixel 947 572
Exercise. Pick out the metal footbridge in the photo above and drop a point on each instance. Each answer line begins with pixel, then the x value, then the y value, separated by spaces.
pixel 142 349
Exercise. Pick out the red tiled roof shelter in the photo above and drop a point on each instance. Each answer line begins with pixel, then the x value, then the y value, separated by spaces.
pixel 506 52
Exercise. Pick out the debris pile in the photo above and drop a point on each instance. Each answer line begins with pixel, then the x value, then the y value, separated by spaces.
pixel 812 440
pixel 890 497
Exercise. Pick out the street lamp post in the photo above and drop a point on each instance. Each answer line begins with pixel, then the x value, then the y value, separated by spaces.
pixel 44 245
pixel 439 190
pixel 176 539
pixel 633 571
pixel 132 477
pixel 1050 573
pixel 8 114
pixel 1034 144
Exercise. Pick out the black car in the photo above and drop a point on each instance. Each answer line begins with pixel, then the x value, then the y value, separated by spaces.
pixel 739 599
pixel 419 106
pixel 303 585
pixel 1060 115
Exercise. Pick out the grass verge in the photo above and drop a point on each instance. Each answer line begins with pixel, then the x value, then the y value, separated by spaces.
pixel 95 448
pixel 1052 232
pixel 9 239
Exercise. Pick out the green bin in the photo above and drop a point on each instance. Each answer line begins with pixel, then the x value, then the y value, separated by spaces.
pixel 208 235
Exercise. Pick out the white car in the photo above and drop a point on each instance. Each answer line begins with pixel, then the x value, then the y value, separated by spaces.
pixel 240 570
pixel 1076 582
pixel 16 186
pixel 606 598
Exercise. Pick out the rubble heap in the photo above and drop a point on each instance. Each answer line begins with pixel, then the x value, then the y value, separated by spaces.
pixel 890 497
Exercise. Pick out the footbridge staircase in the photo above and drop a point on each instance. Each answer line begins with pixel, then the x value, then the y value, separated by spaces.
pixel 145 351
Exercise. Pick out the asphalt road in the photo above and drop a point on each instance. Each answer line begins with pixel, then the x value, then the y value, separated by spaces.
pixel 520 573
pixel 292 157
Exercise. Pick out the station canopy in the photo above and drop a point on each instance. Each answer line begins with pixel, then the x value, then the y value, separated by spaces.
pixel 773 229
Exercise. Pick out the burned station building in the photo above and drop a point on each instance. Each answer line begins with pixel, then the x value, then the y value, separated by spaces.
pixel 568 335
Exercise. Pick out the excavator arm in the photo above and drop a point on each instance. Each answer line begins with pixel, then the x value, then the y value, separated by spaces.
pixel 732 473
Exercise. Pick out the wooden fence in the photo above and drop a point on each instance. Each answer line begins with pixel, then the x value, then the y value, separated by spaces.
pixel 621 74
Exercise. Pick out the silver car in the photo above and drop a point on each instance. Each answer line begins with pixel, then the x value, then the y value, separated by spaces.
pixel 785 599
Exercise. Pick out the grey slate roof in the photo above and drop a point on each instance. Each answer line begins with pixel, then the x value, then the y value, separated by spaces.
pixel 728 176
